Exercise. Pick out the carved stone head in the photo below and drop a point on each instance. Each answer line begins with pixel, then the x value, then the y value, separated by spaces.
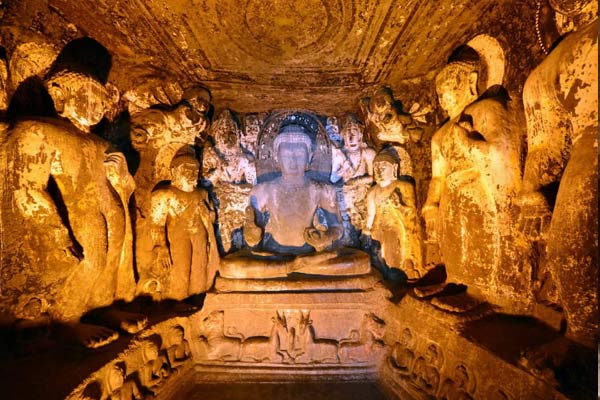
pixel 456 86
pixel 385 167
pixel 352 133
pixel 78 97
pixel 226 133
pixel 185 169
pixel 293 150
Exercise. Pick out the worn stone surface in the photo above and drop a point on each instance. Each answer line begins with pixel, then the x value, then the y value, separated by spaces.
pixel 70 191
pixel 561 105
pixel 469 211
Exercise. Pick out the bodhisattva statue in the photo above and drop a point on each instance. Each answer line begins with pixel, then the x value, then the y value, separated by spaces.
pixel 561 107
pixel 475 178
pixel 293 222
pixel 355 157
pixel 183 232
pixel 392 218
pixel 67 235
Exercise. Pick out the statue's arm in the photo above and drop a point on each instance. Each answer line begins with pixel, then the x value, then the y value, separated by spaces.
pixel 159 213
pixel 430 210
pixel 32 169
pixel 371 210
pixel 548 148
pixel 315 236
pixel 253 231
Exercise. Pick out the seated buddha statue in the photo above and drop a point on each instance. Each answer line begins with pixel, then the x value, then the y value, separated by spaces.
pixel 293 223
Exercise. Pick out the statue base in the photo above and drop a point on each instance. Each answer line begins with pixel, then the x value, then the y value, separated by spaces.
pixel 292 326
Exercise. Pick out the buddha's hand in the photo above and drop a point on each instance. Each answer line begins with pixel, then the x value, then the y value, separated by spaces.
pixel 535 214
pixel 318 238
pixel 431 216
pixel 252 232
pixel 162 258
pixel 115 167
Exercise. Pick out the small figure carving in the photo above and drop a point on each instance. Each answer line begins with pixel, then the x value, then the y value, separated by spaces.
pixel 291 334
pixel 426 372
pixel 355 159
pixel 158 134
pixel 116 387
pixel 182 230
pixel 392 218
pixel 249 138
pixel 70 192
pixel 460 387
pixel 154 366
pixel 218 347
pixel 226 161
pixel 178 350
pixel 232 174
pixel 387 116
pixel 364 345
pixel 403 356
pixel 333 131
pixel 293 215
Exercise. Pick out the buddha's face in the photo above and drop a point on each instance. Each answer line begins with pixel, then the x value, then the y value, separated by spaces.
pixel 293 158
pixel 455 90
pixel 185 176
pixel 451 94
pixel 85 103
pixel 384 171
pixel 352 138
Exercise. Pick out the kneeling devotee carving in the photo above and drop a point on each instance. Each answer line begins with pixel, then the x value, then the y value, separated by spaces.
pixel 181 213
pixel 291 217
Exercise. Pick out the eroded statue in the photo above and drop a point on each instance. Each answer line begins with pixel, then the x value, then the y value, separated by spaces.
pixel 182 231
pixel 232 173
pixel 392 218
pixel 475 178
pixel 561 106
pixel 158 134
pixel 353 163
pixel 67 235
pixel 293 222
pixel 385 113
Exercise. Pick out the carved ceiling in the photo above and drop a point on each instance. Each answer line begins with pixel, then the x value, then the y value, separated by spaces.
pixel 257 55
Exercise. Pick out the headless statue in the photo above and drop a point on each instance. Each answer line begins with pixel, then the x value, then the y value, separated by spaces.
pixel 292 222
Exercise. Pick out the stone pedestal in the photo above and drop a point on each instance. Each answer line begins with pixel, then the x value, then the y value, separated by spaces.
pixel 291 328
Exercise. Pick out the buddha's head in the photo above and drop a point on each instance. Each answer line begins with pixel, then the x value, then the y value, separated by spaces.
pixel 226 133
pixel 77 82
pixel 385 168
pixel 78 97
pixel 352 133
pixel 456 86
pixel 185 169
pixel 293 150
